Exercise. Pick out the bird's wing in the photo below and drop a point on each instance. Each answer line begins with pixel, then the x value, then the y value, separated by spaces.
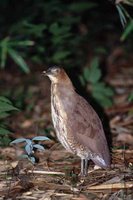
pixel 87 129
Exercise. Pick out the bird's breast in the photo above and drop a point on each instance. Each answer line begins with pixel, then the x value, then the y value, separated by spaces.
pixel 59 118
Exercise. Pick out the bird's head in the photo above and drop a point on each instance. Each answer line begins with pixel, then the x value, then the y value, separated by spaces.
pixel 57 75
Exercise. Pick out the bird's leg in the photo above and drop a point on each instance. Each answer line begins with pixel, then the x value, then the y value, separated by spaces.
pixel 86 167
pixel 82 167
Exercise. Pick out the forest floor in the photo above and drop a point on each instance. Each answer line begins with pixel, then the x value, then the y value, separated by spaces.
pixel 55 176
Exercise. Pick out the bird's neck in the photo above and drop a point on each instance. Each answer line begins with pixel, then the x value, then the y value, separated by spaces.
pixel 62 89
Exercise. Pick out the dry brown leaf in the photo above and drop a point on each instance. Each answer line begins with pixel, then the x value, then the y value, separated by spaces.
pixel 59 154
pixel 115 179
pixel 125 137
pixel 84 197
pixel 27 123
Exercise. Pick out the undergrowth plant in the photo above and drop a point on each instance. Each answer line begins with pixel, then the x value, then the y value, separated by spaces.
pixel 100 91
pixel 31 146
pixel 130 97
pixel 128 30
pixel 11 48
pixel 53 31
pixel 122 11
pixel 6 108
pixel 51 26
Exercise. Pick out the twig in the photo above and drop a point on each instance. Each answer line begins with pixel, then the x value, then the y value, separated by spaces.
pixel 123 185
pixel 38 172
pixel 45 172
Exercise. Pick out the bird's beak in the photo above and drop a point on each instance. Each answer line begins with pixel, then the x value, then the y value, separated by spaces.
pixel 44 73
pixel 47 72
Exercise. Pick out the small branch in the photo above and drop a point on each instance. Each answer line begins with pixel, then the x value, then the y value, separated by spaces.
pixel 45 172
pixel 38 172
pixel 51 172
pixel 123 185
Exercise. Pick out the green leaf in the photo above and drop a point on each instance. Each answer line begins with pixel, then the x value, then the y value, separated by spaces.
pixel 130 98
pixel 39 138
pixel 103 100
pixel 121 14
pixel 29 149
pixel 34 29
pixel 21 43
pixel 24 156
pixel 4 140
pixel 103 89
pixel 94 71
pixel 29 142
pixel 60 55
pixel 128 30
pixel 86 73
pixel 4 50
pixel 5 107
pixel 101 50
pixel 106 102
pixel 102 94
pixel 56 30
pixel 32 159
pixel 38 146
pixel 3 115
pixel 59 39
pixel 94 63
pixel 16 141
pixel 81 78
pixel 19 60
pixel 4 131
pixel 4 99
pixel 80 7
pixel 129 2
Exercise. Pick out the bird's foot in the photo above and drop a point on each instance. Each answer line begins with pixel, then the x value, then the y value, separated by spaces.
pixel 83 174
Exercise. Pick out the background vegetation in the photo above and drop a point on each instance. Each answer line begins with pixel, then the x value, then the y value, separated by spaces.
pixel 59 32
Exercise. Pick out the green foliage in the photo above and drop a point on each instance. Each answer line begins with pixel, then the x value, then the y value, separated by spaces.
pixel 130 97
pixel 30 146
pixel 81 6
pixel 93 73
pixel 52 31
pixel 100 91
pixel 123 14
pixel 127 31
pixel 128 2
pixel 130 100
pixel 6 107
pixel 9 47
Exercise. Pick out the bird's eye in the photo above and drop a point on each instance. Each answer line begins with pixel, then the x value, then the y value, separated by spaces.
pixel 56 70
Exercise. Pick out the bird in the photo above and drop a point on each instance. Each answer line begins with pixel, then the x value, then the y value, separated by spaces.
pixel 77 125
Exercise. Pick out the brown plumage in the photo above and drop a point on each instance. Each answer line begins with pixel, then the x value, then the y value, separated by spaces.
pixel 77 125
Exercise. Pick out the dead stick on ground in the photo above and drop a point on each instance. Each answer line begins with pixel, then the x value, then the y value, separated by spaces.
pixel 46 172
pixel 123 185
pixel 39 172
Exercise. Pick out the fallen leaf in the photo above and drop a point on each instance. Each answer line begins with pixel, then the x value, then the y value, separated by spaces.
pixel 125 137
pixel 27 124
